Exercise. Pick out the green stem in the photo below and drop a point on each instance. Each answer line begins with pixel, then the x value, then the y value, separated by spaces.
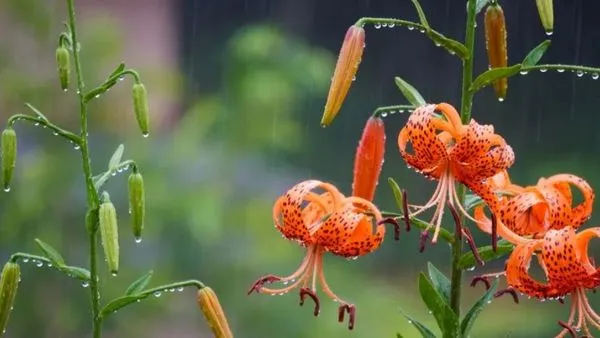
pixel 92 193
pixel 144 294
pixel 46 124
pixel 465 114
pixel 562 68
pixel 400 108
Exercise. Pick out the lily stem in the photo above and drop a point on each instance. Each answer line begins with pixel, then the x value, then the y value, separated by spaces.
pixel 465 114
pixel 92 193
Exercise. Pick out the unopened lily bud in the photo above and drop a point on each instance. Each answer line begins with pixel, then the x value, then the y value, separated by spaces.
pixel 546 12
pixel 345 72
pixel 213 313
pixel 369 159
pixel 9 283
pixel 9 156
pixel 140 106
pixel 64 66
pixel 137 204
pixel 109 233
pixel 495 42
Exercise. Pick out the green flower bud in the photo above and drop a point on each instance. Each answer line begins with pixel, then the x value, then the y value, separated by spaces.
pixel 109 233
pixel 64 66
pixel 546 12
pixel 9 283
pixel 140 106
pixel 137 204
pixel 9 156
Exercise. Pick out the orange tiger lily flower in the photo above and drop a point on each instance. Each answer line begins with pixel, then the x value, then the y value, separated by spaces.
pixel 322 219
pixel 533 210
pixel 444 149
pixel 569 271
pixel 344 73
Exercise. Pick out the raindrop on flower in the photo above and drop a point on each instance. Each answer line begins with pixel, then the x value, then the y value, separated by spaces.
pixel 354 78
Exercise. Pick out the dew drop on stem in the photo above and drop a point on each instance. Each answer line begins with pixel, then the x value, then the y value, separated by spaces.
pixel 377 25
pixel 6 189
pixel 595 76
pixel 180 289
pixel 157 294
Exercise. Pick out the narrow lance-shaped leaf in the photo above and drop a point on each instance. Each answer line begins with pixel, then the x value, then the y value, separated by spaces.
pixel 423 330
pixel 397 193
pixel 139 284
pixel 491 75
pixel 118 303
pixel 535 55
pixel 410 93
pixel 50 253
pixel 115 159
pixel 471 316
pixel 486 253
pixel 76 272
pixel 443 314
pixel 439 281
pixel 452 46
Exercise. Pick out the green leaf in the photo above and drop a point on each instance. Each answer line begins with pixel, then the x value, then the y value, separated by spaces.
pixel 423 330
pixel 115 159
pixel 453 46
pixel 439 281
pixel 409 92
pixel 120 68
pixel 397 193
pixel 471 201
pixel 443 314
pixel 139 284
pixel 468 261
pixel 492 75
pixel 535 55
pixel 76 272
pixel 119 303
pixel 37 112
pixel 421 14
pixel 50 253
pixel 471 316
pixel 480 4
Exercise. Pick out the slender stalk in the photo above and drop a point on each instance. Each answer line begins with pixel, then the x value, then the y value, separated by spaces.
pixel 92 193
pixel 465 114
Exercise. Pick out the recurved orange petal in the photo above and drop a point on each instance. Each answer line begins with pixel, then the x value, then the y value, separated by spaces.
pixel 517 271
pixel 428 151
pixel 525 213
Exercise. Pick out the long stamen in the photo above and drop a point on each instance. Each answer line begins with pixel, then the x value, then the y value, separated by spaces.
pixel 326 287
pixel 455 200
pixel 588 308
pixel 439 213
pixel 300 272
pixel 434 200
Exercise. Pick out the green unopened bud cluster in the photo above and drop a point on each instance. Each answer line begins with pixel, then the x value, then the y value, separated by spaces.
pixel 63 66
pixel 140 106
pixel 137 203
pixel 8 143
pixel 9 283
pixel 109 233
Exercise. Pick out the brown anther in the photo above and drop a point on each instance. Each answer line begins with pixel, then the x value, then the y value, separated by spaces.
pixel 568 328
pixel 394 222
pixel 351 310
pixel 405 210
pixel 423 239
pixel 310 293
pixel 483 279
pixel 457 221
pixel 494 232
pixel 509 290
pixel 467 234
pixel 268 279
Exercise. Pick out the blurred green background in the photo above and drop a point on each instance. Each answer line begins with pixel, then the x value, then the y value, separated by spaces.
pixel 237 90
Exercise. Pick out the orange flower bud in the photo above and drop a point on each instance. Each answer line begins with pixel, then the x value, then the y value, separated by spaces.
pixel 345 71
pixel 369 159
pixel 495 42
pixel 213 312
